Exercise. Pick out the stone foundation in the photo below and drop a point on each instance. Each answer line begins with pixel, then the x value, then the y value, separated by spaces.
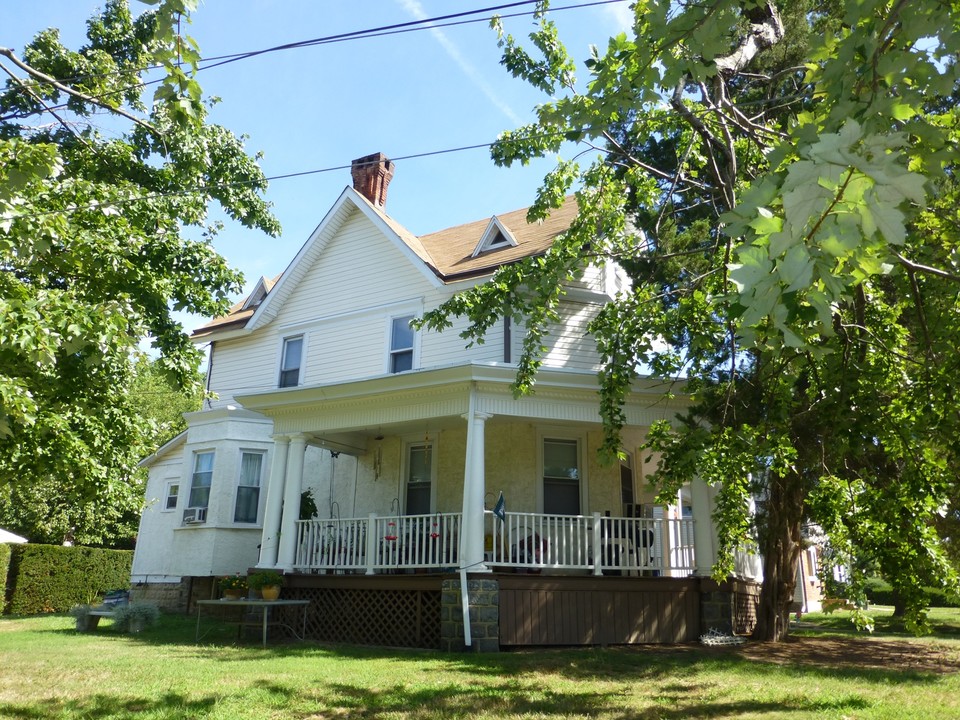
pixel 729 607
pixel 484 599
pixel 170 597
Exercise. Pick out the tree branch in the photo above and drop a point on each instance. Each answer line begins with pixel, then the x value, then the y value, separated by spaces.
pixel 9 54
pixel 762 35
pixel 926 269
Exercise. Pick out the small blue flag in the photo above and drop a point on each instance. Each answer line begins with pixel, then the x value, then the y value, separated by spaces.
pixel 500 509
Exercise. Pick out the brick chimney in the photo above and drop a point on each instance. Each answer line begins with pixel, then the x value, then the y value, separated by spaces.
pixel 371 175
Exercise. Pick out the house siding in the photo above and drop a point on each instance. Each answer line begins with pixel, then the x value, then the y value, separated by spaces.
pixel 343 309
pixel 569 343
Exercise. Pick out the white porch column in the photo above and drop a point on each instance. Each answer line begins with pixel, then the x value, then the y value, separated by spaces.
pixel 291 503
pixel 703 536
pixel 474 487
pixel 270 536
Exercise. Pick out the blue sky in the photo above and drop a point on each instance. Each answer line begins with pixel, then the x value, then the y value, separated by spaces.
pixel 321 107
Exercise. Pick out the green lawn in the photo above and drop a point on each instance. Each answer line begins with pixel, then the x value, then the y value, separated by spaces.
pixel 48 670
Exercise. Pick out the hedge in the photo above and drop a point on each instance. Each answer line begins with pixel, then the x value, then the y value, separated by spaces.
pixel 881 593
pixel 4 569
pixel 54 578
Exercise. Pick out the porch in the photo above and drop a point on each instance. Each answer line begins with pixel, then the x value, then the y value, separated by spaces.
pixel 520 542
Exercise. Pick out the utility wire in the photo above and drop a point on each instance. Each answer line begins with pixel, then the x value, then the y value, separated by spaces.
pixel 411 26
pixel 385 29
pixel 396 29
pixel 100 205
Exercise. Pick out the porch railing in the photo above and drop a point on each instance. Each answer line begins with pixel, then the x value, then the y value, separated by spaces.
pixel 376 543
pixel 524 541
pixel 648 546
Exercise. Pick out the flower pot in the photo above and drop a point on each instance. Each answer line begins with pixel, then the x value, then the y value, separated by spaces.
pixel 270 592
pixel 232 594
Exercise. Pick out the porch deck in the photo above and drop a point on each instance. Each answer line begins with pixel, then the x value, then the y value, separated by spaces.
pixel 522 542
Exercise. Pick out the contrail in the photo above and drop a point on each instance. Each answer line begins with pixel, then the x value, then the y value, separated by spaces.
pixel 416 10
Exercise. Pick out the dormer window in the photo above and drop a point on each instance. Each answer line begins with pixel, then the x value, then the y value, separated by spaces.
pixel 257 296
pixel 498 240
pixel 495 237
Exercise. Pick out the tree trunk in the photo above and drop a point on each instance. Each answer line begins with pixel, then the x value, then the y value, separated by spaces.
pixel 781 543
pixel 899 605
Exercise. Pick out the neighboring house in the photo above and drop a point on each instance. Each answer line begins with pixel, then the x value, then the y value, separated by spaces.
pixel 406 440
pixel 8 537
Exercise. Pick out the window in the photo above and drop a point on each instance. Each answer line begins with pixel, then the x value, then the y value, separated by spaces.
pixel 202 477
pixel 626 487
pixel 248 489
pixel 498 239
pixel 419 475
pixel 173 492
pixel 290 361
pixel 401 344
pixel 507 339
pixel 561 477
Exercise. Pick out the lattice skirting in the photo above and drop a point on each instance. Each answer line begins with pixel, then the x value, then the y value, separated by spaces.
pixel 397 618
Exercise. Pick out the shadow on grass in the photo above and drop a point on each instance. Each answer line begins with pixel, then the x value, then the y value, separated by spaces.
pixel 876 661
pixel 507 698
pixel 169 707
pixel 668 682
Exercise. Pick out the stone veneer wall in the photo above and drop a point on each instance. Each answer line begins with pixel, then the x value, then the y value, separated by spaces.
pixel 171 597
pixel 730 607
pixel 484 598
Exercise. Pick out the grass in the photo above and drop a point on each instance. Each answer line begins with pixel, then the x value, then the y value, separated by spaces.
pixel 943 621
pixel 48 670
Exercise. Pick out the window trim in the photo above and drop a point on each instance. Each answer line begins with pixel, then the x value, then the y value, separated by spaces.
pixel 171 483
pixel 408 444
pixel 193 474
pixel 284 341
pixel 549 433
pixel 259 486
pixel 414 348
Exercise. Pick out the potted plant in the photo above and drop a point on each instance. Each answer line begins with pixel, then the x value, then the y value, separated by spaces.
pixel 233 587
pixel 268 582
pixel 135 616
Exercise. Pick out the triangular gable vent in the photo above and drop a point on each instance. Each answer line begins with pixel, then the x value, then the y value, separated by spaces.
pixel 257 296
pixel 495 237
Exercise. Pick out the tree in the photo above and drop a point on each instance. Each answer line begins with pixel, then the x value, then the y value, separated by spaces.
pixel 52 511
pixel 762 171
pixel 99 241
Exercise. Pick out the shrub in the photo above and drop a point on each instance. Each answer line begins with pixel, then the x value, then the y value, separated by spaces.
pixel 880 592
pixel 135 616
pixel 54 578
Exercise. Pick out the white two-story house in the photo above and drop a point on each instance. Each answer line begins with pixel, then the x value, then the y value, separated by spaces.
pixel 405 441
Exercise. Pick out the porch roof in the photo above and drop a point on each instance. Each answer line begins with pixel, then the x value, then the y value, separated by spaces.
pixel 441 395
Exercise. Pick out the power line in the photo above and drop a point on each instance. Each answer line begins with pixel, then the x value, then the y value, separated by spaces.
pixel 399 28
pixel 412 24
pixel 98 205
pixel 383 31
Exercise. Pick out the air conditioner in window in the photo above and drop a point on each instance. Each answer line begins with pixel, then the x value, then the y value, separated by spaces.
pixel 193 516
